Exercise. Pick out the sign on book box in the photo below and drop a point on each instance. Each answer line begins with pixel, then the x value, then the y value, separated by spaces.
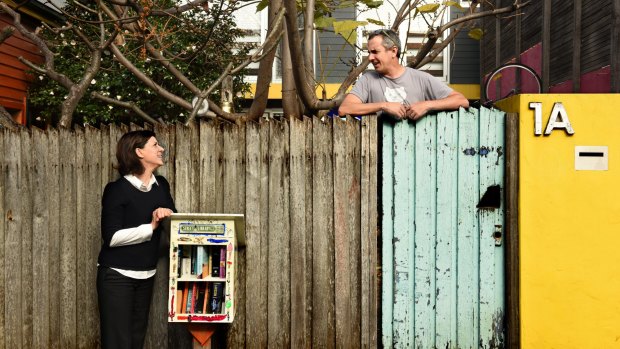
pixel 203 250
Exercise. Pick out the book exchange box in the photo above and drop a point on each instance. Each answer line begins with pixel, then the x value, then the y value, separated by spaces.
pixel 203 250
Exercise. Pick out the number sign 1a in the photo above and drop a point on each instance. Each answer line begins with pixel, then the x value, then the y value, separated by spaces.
pixel 557 120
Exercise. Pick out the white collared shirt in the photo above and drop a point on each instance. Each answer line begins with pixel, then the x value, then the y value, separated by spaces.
pixel 139 234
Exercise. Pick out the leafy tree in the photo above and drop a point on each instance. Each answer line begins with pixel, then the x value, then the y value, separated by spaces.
pixel 113 81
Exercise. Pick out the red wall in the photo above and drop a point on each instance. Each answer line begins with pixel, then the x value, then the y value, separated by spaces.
pixel 13 77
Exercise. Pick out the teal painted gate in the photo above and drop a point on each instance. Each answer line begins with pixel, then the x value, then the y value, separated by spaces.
pixel 442 250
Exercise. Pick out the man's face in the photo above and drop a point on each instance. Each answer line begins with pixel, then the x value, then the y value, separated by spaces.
pixel 381 58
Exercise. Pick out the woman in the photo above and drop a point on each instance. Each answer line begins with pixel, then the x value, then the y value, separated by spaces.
pixel 132 209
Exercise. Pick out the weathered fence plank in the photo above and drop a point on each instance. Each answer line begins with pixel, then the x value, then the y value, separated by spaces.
pixel 255 278
pixel 424 232
pixel 54 199
pixel 209 164
pixel 370 282
pixel 323 313
pixel 387 231
pixel 342 239
pixel 278 263
pixel 234 202
pixel 300 267
pixel 403 236
pixel 467 258
pixel 447 227
pixel 306 188
pixel 68 248
pixel 12 241
pixel 40 251
pixel 491 219
pixel 26 237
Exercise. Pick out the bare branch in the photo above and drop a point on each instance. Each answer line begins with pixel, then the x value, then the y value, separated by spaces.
pixel 180 9
pixel 128 105
pixel 271 42
pixel 435 34
pixel 6 33
pixel 148 81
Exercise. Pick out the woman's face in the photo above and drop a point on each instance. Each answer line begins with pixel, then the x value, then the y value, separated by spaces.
pixel 152 155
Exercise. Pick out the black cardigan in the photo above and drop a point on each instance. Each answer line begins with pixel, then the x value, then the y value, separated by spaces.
pixel 125 206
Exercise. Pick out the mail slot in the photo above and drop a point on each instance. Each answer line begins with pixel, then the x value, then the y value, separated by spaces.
pixel 591 158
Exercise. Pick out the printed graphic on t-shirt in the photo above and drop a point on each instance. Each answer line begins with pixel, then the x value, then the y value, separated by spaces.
pixel 395 94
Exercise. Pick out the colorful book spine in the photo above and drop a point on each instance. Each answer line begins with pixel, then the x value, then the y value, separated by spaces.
pixel 215 262
pixel 188 304
pixel 223 262
pixel 216 297
pixel 205 305
pixel 199 259
pixel 192 308
pixel 184 299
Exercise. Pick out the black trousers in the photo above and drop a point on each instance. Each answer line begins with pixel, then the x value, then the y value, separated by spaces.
pixel 123 309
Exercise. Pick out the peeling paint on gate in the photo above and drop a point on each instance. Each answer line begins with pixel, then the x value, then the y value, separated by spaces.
pixel 442 268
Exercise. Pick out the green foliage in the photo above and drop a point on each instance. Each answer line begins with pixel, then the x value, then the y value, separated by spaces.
pixel 428 8
pixel 201 44
pixel 348 29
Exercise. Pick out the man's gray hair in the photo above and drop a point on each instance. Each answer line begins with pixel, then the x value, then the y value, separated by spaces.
pixel 390 39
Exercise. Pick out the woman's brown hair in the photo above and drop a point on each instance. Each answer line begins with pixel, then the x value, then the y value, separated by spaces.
pixel 128 160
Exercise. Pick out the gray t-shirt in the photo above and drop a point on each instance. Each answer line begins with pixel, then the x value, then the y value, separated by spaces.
pixel 413 85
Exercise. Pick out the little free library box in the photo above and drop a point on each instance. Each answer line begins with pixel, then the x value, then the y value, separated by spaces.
pixel 203 248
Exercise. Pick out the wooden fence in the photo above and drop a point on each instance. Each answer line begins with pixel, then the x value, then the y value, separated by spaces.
pixel 307 277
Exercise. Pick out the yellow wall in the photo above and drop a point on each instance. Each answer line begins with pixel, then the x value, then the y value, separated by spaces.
pixel 569 226
pixel 471 91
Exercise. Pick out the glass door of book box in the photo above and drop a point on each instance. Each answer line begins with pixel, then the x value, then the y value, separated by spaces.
pixel 202 254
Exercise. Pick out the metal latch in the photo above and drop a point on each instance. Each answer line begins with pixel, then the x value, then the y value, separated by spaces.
pixel 497 235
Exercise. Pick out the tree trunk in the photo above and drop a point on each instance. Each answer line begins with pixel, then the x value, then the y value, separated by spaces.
pixel 265 69
pixel 290 103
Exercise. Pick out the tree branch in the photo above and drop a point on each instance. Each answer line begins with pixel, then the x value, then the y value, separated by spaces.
pixel 265 65
pixel 434 35
pixel 6 33
pixel 148 81
pixel 128 105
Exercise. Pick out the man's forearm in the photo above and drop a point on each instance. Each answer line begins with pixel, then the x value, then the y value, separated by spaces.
pixel 360 108
pixel 452 102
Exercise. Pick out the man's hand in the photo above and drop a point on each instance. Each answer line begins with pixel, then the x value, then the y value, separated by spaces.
pixel 396 109
pixel 417 110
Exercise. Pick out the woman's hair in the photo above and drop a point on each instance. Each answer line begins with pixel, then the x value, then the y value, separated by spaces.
pixel 128 160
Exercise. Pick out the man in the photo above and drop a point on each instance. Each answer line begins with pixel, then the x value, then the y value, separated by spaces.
pixel 402 92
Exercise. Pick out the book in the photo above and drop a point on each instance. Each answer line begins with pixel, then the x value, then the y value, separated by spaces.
pixel 223 262
pixel 215 262
pixel 179 295
pixel 186 266
pixel 216 297
pixel 200 299
pixel 184 299
pixel 188 303
pixel 192 307
pixel 199 260
pixel 194 260
pixel 205 304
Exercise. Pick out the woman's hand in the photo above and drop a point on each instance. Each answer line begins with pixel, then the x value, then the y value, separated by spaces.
pixel 159 214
